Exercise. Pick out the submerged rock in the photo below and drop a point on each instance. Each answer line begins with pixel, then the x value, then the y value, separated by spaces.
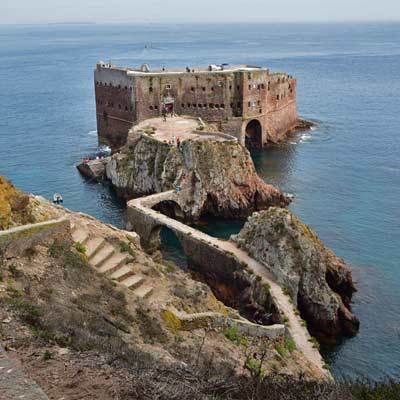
pixel 215 177
pixel 319 283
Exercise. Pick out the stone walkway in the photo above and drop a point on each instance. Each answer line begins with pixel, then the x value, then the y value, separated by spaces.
pixel 294 324
pixel 14 384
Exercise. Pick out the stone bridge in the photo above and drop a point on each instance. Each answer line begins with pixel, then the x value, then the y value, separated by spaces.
pixel 222 259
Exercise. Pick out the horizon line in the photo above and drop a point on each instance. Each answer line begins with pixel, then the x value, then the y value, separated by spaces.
pixel 180 22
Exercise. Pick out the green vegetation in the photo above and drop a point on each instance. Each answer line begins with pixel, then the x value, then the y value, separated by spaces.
pixel 67 255
pixel 47 355
pixel 14 271
pixel 232 334
pixel 80 248
pixel 290 344
pixel 315 343
pixel 280 350
pixel 255 368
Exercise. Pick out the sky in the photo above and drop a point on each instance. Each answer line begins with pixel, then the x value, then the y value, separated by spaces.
pixel 147 11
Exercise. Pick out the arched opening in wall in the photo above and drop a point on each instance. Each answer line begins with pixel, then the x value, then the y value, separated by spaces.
pixel 171 209
pixel 172 250
pixel 253 138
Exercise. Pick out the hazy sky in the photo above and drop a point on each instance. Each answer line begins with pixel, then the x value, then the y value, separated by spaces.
pixel 43 11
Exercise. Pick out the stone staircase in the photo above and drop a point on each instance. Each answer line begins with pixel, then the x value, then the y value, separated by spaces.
pixel 110 261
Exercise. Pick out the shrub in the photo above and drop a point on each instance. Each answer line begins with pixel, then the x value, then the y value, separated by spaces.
pixel 14 271
pixel 255 368
pixel 232 334
pixel 315 343
pixel 281 350
pixel 290 344
pixel 47 355
pixel 80 248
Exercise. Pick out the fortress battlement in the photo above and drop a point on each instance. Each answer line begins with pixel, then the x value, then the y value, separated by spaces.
pixel 246 101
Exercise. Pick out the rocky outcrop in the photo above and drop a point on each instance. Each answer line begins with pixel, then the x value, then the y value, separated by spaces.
pixel 319 283
pixel 216 177
pixel 18 208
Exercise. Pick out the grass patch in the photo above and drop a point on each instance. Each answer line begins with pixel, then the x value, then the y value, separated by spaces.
pixel 80 247
pixel 232 334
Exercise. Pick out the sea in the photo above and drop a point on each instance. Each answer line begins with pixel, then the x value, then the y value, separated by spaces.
pixel 344 174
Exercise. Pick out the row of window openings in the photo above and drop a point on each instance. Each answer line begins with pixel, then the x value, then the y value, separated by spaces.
pixel 111 105
pixel 211 105
pixel 203 88
pixel 193 89
pixel 111 85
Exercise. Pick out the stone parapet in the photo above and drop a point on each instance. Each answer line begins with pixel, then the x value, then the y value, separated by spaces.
pixel 178 321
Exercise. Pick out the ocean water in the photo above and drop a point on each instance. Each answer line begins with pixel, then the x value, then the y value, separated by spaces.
pixel 345 175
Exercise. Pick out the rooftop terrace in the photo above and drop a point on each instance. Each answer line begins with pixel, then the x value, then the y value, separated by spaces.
pixel 146 70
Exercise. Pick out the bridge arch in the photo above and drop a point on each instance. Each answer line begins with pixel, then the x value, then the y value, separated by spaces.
pixel 170 208
pixel 253 134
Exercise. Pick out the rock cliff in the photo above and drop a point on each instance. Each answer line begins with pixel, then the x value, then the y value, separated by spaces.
pixel 18 208
pixel 216 177
pixel 319 283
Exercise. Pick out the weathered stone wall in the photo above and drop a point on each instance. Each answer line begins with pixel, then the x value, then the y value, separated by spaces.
pixel 14 241
pixel 115 105
pixel 211 320
pixel 222 97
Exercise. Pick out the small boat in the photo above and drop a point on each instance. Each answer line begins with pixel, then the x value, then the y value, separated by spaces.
pixel 57 198
pixel 103 151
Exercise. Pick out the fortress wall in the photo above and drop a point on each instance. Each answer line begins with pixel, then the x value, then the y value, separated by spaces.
pixel 193 94
pixel 225 98
pixel 115 105
pixel 279 122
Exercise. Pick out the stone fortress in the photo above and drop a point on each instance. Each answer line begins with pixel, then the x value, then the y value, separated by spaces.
pixel 248 102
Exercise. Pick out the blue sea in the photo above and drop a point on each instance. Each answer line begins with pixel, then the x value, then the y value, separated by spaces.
pixel 345 175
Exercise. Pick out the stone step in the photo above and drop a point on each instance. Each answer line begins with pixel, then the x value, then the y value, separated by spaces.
pixel 102 255
pixel 94 245
pixel 80 235
pixel 133 281
pixel 113 263
pixel 144 292
pixel 122 272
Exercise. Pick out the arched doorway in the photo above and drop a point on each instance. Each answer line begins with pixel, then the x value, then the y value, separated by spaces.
pixel 253 138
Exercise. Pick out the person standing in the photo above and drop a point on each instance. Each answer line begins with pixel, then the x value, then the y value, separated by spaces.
pixel 164 113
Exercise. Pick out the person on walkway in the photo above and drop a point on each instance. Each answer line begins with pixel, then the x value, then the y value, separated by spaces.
pixel 178 142
pixel 164 113
pixel 173 140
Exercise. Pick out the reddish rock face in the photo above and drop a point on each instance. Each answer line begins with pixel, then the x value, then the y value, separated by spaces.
pixel 215 177
pixel 319 283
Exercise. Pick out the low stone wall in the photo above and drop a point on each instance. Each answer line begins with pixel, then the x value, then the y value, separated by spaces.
pixel 14 241
pixel 216 134
pixel 210 320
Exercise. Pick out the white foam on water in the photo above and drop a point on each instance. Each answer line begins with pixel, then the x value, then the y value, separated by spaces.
pixel 92 133
pixel 305 137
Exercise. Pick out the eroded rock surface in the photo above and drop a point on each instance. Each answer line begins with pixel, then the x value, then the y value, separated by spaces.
pixel 319 283
pixel 216 177
pixel 18 208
